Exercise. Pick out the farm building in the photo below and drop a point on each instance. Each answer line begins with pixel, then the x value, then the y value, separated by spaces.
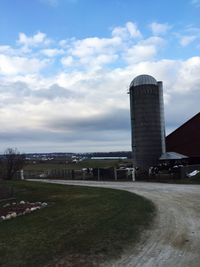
pixel 186 139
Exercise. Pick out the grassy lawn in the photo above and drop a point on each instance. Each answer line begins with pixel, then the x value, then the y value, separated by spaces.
pixel 80 224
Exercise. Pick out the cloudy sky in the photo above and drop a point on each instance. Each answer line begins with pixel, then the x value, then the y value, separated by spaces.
pixel 66 66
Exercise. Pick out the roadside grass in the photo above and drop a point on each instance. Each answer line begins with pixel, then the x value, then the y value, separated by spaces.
pixel 80 225
pixel 188 180
pixel 195 179
pixel 191 180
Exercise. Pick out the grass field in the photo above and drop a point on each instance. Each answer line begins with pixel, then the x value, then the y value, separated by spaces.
pixel 80 226
pixel 82 164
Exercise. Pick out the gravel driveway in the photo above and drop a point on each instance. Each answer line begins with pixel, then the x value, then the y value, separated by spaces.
pixel 174 240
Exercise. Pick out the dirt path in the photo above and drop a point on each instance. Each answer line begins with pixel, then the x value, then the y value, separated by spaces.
pixel 174 240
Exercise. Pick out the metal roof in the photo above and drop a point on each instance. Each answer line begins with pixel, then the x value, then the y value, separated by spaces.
pixel 172 156
pixel 143 79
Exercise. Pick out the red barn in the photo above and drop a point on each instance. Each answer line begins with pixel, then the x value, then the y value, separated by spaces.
pixel 186 138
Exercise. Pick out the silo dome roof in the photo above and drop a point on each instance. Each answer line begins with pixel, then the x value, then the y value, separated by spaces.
pixel 143 79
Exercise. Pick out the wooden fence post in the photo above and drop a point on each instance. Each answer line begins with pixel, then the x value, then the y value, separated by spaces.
pixel 115 173
pixel 98 173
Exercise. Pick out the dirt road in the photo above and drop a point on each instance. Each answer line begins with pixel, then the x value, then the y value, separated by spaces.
pixel 174 240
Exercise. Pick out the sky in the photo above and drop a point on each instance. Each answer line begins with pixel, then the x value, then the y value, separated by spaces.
pixel 66 66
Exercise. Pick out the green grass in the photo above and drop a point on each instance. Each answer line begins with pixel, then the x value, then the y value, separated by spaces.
pixel 192 180
pixel 83 164
pixel 195 179
pixel 79 222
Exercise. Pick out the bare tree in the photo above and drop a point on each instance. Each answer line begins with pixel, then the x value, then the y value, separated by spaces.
pixel 12 162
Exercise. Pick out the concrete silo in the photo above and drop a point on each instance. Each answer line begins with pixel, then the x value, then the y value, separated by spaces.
pixel 147 121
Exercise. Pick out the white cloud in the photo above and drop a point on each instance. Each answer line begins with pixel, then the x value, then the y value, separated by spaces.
pixel 92 52
pixel 95 52
pixel 39 38
pixel 133 30
pixel 91 46
pixel 186 40
pixel 130 30
pixel 154 40
pixel 52 52
pixel 159 28
pixel 188 78
pixel 67 61
pixel 20 65
pixel 140 53
pixel 144 50
pixel 94 62
pixel 5 49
